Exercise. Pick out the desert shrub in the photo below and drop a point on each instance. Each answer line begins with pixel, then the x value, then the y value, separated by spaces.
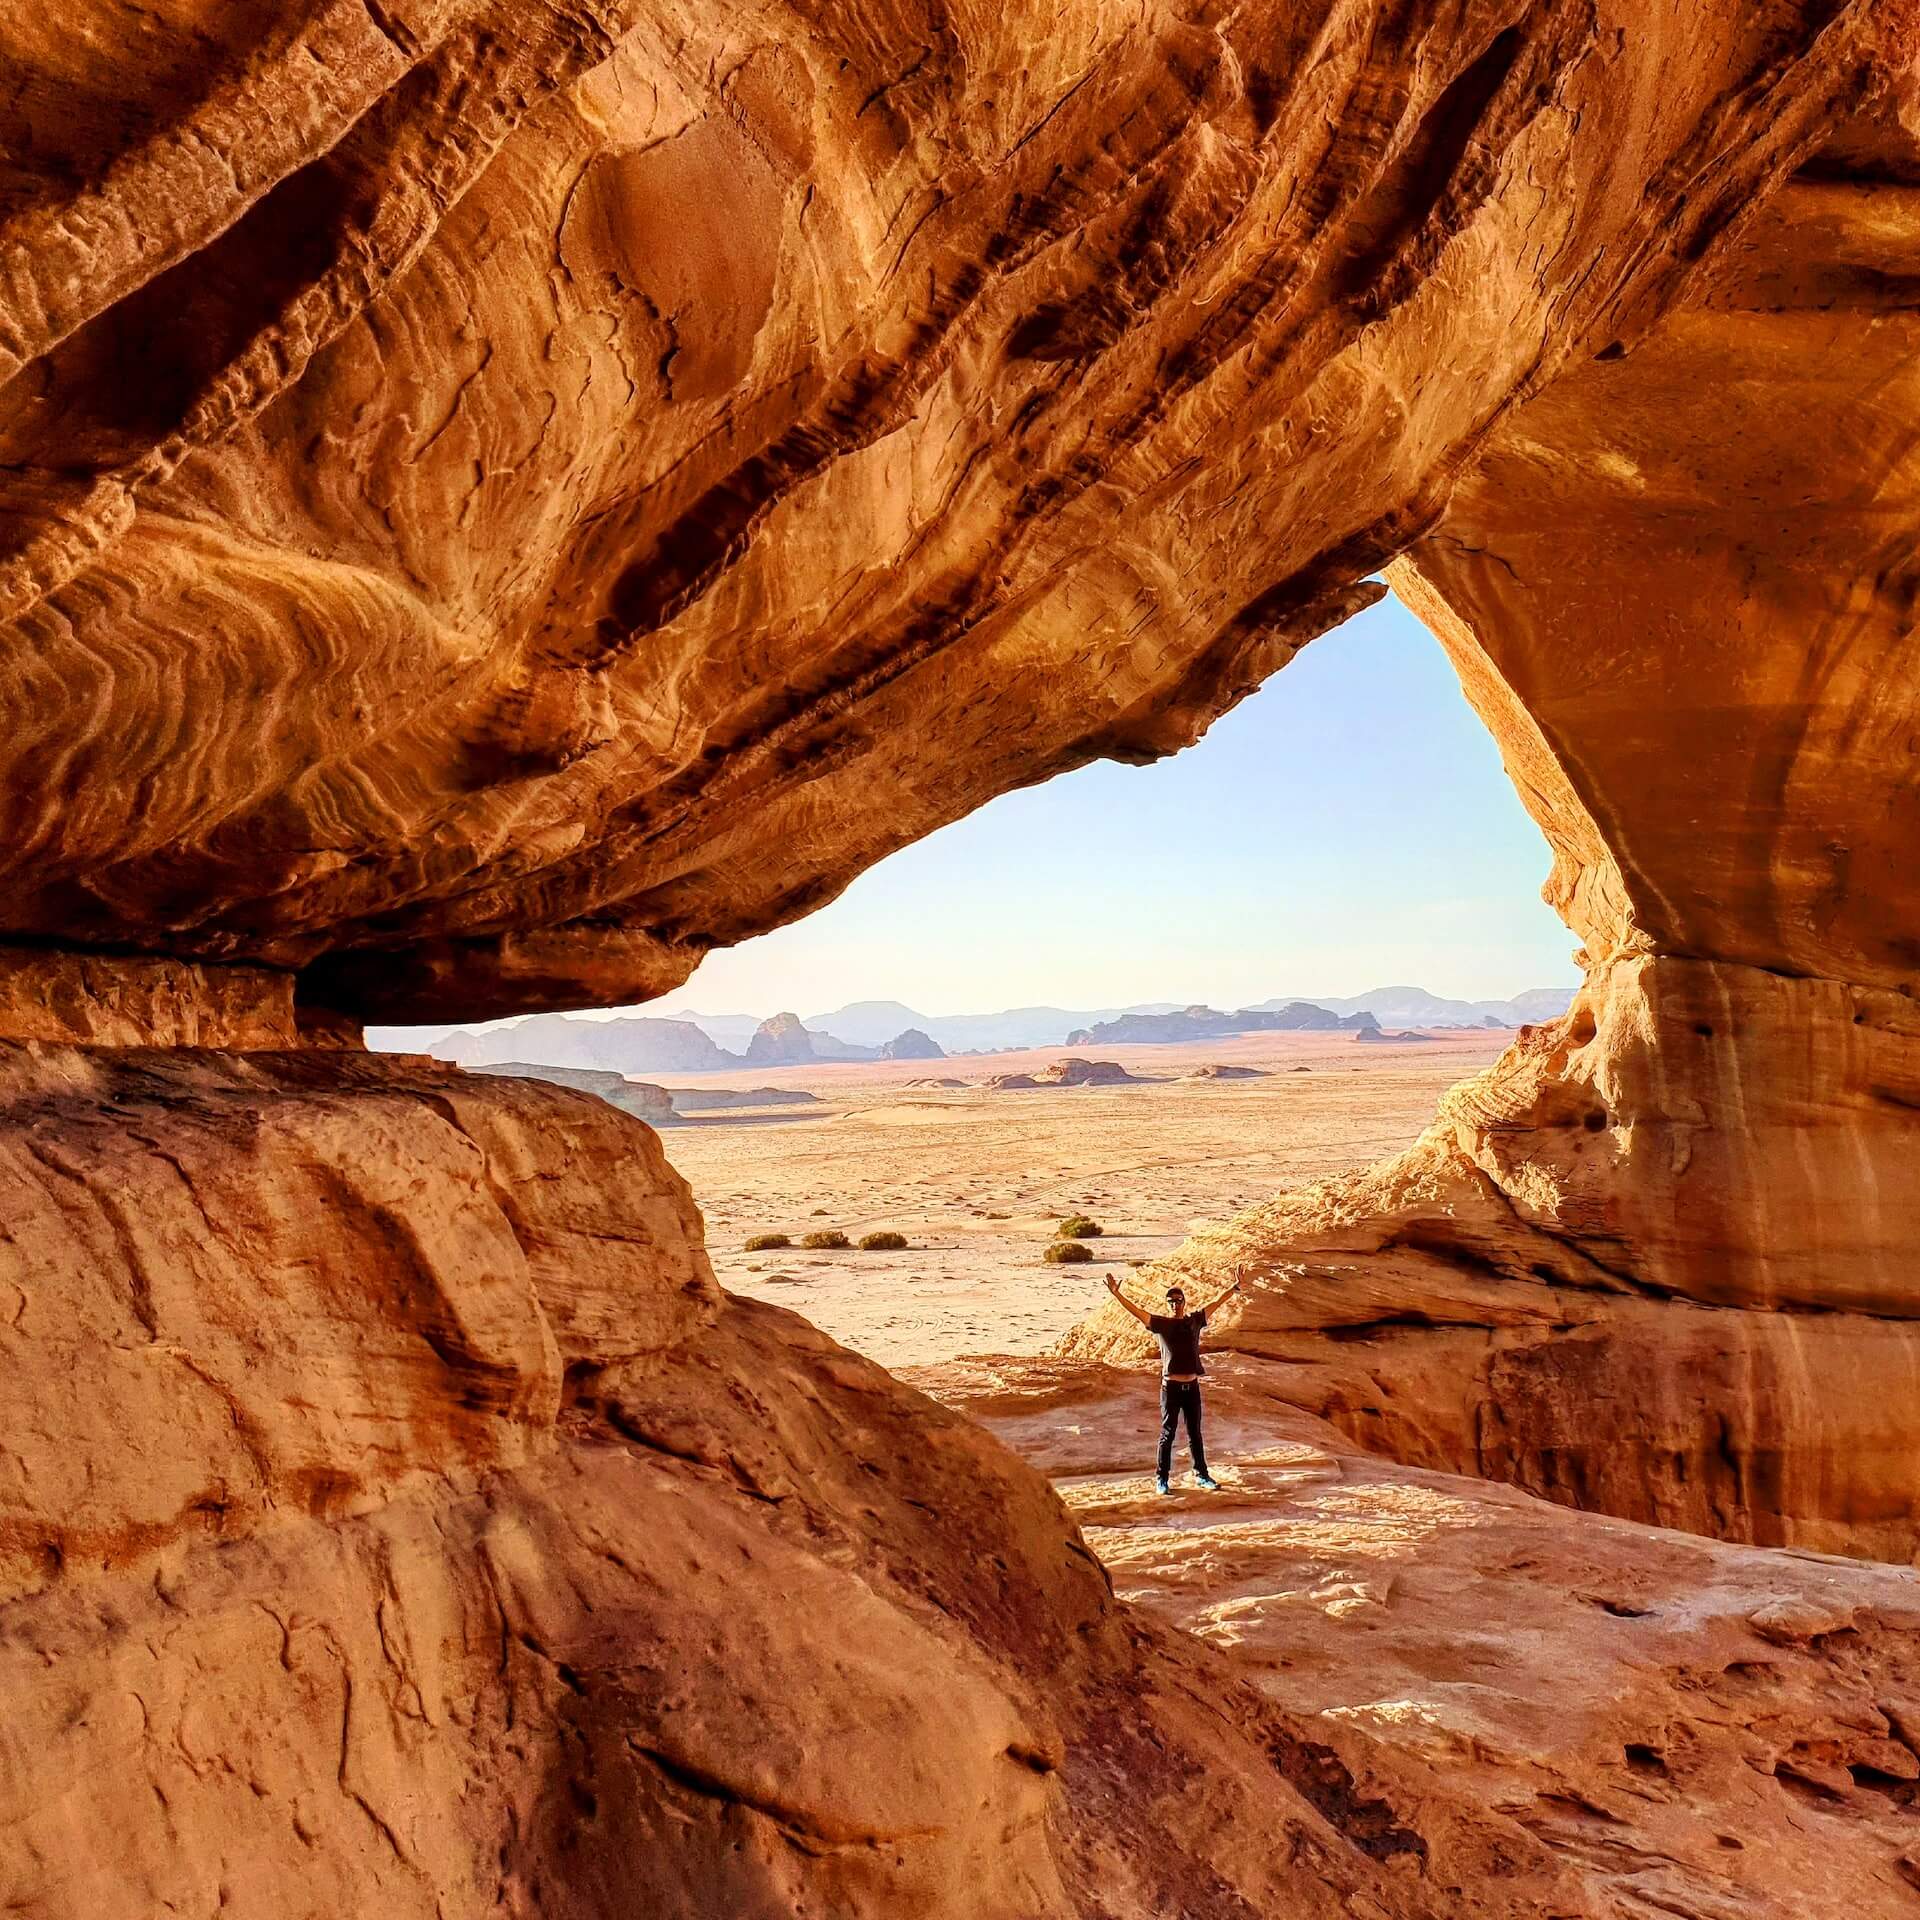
pixel 823 1237
pixel 1067 1253
pixel 885 1242
pixel 766 1242
pixel 1076 1226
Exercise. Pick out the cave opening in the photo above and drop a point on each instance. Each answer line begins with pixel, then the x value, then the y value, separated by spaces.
pixel 1323 914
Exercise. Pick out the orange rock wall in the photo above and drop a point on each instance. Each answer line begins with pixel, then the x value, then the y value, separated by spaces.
pixel 591 480
pixel 1660 1260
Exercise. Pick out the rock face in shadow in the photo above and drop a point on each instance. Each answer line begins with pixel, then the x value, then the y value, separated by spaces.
pixel 396 1519
pixel 1693 1729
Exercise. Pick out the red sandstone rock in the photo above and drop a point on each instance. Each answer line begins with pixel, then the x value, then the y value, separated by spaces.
pixel 495 501
pixel 1692 1200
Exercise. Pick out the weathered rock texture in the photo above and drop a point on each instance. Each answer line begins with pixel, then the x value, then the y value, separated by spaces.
pixel 498 498
pixel 1694 1730
pixel 395 1518
pixel 1662 1259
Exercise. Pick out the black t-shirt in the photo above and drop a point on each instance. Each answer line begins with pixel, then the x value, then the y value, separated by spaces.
pixel 1179 1342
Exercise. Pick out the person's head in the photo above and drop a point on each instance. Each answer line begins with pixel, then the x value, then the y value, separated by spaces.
pixel 1176 1302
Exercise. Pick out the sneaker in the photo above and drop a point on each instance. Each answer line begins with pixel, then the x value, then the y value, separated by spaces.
pixel 1160 1486
pixel 1208 1481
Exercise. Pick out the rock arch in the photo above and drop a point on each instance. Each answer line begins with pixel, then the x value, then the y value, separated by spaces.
pixel 1680 586
pixel 439 581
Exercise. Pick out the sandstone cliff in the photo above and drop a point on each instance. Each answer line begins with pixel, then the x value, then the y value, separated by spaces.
pixel 590 480
pixel 398 1520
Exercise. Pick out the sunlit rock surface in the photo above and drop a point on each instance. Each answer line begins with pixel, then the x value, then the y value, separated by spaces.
pixel 396 1519
pixel 497 499
pixel 1692 1729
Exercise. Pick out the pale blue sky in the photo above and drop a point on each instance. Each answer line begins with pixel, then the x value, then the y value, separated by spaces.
pixel 1347 827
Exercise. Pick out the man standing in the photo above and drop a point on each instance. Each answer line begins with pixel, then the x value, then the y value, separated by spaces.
pixel 1178 1332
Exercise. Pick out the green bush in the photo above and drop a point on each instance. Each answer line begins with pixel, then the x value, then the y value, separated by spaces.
pixel 1076 1226
pixel 823 1237
pixel 1067 1253
pixel 766 1242
pixel 885 1242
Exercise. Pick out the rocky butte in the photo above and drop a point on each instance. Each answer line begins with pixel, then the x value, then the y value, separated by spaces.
pixel 499 499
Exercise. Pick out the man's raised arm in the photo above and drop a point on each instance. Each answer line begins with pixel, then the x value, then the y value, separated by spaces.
pixel 1139 1313
pixel 1220 1298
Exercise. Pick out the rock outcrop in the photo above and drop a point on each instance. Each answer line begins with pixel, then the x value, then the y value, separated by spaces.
pixel 780 1042
pixel 1690 1200
pixel 912 1045
pixel 629 1045
pixel 641 1098
pixel 1075 1072
pixel 588 484
pixel 497 500
pixel 1208 1023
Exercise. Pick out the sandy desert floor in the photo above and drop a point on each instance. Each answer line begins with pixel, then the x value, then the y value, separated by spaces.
pixel 977 1181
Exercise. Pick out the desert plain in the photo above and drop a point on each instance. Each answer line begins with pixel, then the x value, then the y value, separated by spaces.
pixel 978 1180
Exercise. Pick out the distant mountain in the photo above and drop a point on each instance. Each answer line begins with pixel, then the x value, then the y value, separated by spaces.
pixel 650 1103
pixel 632 1045
pixel 732 1030
pixel 1542 1003
pixel 869 1023
pixel 1206 1023
pixel 1416 1007
pixel 688 1042
pixel 872 1021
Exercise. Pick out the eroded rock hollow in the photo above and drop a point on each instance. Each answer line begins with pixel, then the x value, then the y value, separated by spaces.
pixel 499 498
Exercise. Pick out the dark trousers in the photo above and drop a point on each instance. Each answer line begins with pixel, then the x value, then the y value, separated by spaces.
pixel 1179 1397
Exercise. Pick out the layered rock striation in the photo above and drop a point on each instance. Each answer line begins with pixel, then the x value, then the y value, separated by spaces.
pixel 595 479
pixel 498 500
